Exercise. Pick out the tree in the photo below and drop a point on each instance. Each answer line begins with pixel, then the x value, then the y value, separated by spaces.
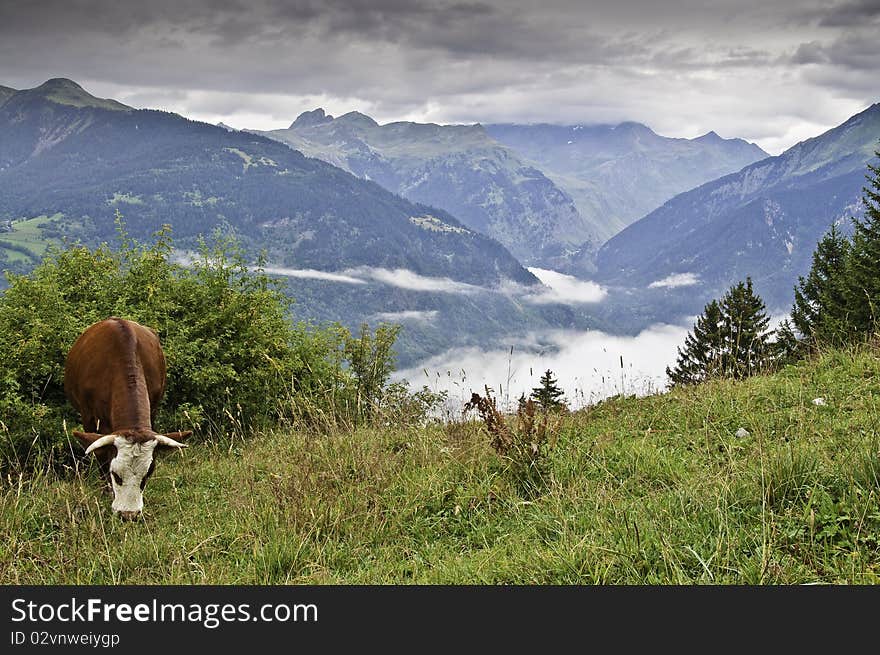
pixel 863 269
pixel 547 395
pixel 702 355
pixel 371 361
pixel 788 348
pixel 820 311
pixel 745 331
pixel 729 339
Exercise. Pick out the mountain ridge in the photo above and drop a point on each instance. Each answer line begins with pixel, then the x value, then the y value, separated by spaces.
pixel 64 91
pixel 618 173
pixel 6 92
pixel 459 168
pixel 762 221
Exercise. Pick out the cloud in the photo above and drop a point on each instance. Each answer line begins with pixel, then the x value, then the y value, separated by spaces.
pixel 399 277
pixel 406 279
pixel 312 274
pixel 675 280
pixel 855 13
pixel 565 289
pixel 407 315
pixel 587 366
pixel 683 68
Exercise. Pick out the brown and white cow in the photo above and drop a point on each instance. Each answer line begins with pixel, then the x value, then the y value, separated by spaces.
pixel 115 376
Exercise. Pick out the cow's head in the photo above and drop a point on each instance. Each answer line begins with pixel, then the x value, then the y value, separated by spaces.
pixel 128 460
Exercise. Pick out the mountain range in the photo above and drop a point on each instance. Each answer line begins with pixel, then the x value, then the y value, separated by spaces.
pixel 333 204
pixel 64 152
pixel 459 168
pixel 551 194
pixel 69 160
pixel 763 221
pixel 618 173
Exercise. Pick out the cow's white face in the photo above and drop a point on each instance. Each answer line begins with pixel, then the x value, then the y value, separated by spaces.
pixel 129 471
pixel 130 463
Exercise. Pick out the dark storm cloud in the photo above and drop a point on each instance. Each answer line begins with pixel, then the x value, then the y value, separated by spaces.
pixel 810 53
pixel 851 14
pixel 684 67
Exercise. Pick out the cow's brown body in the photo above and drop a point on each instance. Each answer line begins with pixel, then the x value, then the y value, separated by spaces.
pixel 115 376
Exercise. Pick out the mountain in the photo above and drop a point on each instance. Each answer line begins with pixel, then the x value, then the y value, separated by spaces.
pixel 69 160
pixel 65 151
pixel 617 174
pixel 763 221
pixel 461 169
pixel 62 91
pixel 5 93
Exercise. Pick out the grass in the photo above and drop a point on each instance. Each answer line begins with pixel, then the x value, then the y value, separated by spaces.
pixel 26 239
pixel 656 490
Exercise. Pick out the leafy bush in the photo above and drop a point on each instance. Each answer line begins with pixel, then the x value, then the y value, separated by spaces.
pixel 232 351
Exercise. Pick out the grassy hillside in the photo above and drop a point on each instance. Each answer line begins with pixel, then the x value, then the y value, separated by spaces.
pixel 25 241
pixel 641 491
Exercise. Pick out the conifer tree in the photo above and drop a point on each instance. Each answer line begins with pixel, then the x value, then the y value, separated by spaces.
pixel 745 331
pixel 863 284
pixel 820 311
pixel 547 395
pixel 788 348
pixel 730 339
pixel 703 351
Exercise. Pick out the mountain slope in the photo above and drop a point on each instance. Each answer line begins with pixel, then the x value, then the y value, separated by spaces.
pixel 5 93
pixel 460 169
pixel 62 153
pixel 763 221
pixel 68 162
pixel 643 491
pixel 617 174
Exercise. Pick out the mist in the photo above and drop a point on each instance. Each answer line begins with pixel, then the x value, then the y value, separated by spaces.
pixel 586 365
pixel 564 289
pixel 398 277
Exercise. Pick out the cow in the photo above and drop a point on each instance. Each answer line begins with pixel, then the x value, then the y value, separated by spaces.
pixel 114 377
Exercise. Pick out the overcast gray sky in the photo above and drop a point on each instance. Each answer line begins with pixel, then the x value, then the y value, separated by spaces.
pixel 773 72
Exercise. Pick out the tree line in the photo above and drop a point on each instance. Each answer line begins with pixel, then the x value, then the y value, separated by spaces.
pixel 837 303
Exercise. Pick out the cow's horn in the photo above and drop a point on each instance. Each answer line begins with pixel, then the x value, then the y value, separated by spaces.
pixel 106 440
pixel 167 441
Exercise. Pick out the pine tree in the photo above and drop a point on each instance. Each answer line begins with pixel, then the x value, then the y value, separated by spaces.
pixel 547 395
pixel 729 339
pixel 703 351
pixel 820 311
pixel 788 348
pixel 863 288
pixel 746 337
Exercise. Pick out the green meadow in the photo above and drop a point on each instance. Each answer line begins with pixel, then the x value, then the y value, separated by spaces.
pixel 653 490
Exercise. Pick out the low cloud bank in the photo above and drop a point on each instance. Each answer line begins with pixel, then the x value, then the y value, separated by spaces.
pixel 675 280
pixel 407 315
pixel 558 287
pixel 587 366
pixel 312 274
pixel 406 279
pixel 398 277
pixel 565 289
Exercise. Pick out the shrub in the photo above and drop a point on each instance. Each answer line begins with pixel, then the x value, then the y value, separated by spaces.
pixel 232 351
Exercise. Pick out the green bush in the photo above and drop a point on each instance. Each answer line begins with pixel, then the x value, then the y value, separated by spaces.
pixel 233 353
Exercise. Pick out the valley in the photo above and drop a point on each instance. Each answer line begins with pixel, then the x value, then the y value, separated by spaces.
pixel 436 226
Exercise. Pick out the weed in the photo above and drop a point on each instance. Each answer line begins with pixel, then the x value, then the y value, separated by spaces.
pixel 525 447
